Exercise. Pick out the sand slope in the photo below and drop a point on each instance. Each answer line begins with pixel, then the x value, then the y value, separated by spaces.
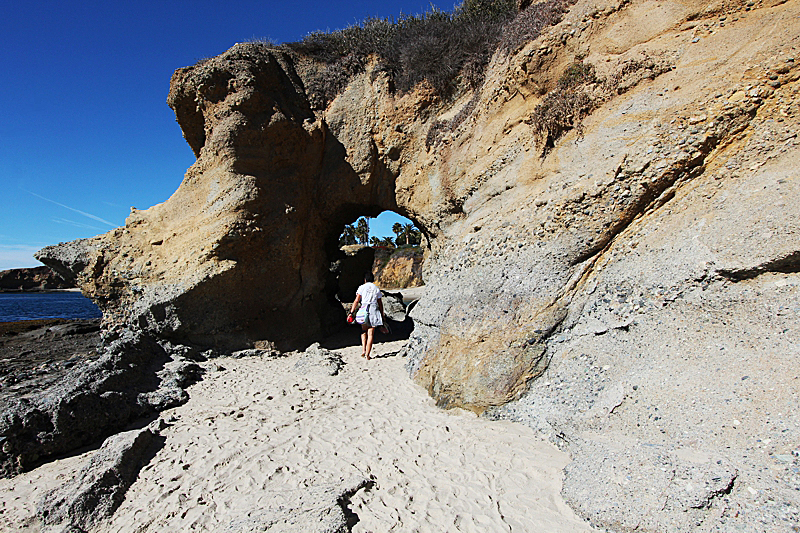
pixel 263 441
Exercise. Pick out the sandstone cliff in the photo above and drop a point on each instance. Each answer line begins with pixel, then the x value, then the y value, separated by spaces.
pixel 613 229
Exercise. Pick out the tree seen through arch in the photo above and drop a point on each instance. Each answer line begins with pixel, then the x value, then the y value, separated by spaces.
pixel 363 232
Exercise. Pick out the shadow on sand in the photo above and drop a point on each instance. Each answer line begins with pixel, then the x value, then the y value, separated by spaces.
pixel 351 335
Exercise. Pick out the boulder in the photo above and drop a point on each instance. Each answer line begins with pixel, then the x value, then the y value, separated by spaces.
pixel 319 361
pixel 393 306
pixel 98 489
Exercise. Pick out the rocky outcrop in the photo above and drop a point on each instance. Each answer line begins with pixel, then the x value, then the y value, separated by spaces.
pixel 99 488
pixel 245 244
pixel 612 223
pixel 31 279
pixel 398 268
pixel 132 378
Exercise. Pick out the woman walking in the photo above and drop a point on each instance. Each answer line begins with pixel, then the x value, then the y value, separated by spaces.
pixel 369 296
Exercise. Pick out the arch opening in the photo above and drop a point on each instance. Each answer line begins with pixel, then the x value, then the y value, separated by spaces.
pixel 389 245
pixel 375 243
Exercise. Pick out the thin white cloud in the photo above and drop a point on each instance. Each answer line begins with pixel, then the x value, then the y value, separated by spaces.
pixel 18 256
pixel 84 213
pixel 59 220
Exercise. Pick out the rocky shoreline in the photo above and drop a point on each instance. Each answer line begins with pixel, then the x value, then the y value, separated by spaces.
pixel 70 391
pixel 36 353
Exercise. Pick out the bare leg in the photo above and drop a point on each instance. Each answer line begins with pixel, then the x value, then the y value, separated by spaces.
pixel 364 340
pixel 370 334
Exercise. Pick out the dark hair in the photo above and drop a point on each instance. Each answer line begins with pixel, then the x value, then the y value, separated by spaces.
pixel 368 277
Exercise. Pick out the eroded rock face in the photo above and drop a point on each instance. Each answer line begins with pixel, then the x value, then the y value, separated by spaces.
pixel 241 252
pixel 649 265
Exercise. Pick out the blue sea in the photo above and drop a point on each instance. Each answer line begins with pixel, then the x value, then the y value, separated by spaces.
pixel 16 306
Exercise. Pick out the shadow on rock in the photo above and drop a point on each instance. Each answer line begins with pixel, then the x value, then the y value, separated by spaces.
pixel 398 321
pixel 133 377
pixel 99 488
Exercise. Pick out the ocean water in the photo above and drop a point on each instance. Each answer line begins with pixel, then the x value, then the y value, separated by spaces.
pixel 16 306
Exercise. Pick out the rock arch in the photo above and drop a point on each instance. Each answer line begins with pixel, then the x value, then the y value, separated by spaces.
pixel 239 255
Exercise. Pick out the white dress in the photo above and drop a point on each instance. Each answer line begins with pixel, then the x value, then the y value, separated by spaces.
pixel 370 294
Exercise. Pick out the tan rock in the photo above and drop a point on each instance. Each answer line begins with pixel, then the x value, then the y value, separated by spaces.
pixel 398 269
pixel 240 253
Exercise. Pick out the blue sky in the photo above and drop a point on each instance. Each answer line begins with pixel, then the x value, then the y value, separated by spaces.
pixel 85 131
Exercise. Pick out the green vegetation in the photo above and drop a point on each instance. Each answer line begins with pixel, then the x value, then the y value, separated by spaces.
pixel 348 236
pixel 386 242
pixel 358 234
pixel 446 49
pixel 405 235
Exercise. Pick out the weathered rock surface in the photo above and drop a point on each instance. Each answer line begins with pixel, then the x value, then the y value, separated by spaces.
pixel 132 378
pixel 100 486
pixel 31 279
pixel 398 269
pixel 631 291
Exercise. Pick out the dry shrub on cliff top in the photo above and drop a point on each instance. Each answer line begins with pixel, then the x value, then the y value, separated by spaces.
pixel 435 46
pixel 445 49
pixel 526 26
pixel 531 21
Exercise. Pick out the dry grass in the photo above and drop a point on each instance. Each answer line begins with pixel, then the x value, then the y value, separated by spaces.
pixel 448 50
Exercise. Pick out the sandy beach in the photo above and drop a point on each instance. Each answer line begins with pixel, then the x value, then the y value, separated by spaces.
pixel 265 440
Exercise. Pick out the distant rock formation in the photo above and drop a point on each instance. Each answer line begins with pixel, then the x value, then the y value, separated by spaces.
pixel 613 227
pixel 393 269
pixel 32 279
pixel 399 268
